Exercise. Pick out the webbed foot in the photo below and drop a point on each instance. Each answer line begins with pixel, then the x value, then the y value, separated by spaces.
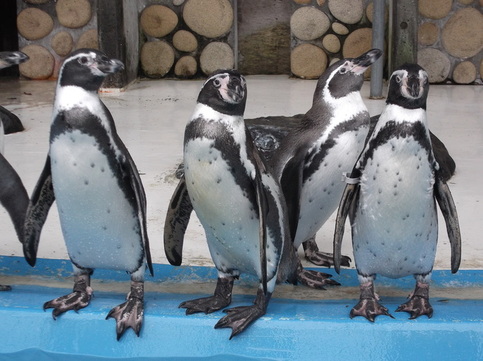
pixel 315 279
pixel 369 306
pixel 130 313
pixel 5 288
pixel 418 303
pixel 78 299
pixel 220 299
pixel 324 259
pixel 239 318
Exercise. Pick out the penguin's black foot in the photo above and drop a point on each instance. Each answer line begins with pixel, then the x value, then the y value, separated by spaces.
pixel 128 315
pixel 369 308
pixel 205 304
pixel 315 279
pixel 5 288
pixel 221 298
pixel 323 259
pixel 73 301
pixel 79 298
pixel 239 318
pixel 418 303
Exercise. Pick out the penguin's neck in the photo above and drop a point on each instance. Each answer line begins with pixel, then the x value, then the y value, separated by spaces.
pixel 71 96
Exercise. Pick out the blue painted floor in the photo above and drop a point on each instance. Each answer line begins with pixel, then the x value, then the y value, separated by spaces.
pixel 293 329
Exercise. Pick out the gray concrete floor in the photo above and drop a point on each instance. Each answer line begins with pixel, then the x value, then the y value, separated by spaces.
pixel 151 116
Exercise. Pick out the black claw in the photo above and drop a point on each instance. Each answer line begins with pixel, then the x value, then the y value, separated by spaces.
pixel 239 318
pixel 323 259
pixel 315 279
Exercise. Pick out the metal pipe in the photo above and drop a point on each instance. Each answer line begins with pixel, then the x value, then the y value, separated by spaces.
pixel 377 42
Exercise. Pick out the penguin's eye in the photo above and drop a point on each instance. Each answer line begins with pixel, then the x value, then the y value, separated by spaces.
pixel 398 79
pixel 83 60
pixel 217 83
pixel 342 70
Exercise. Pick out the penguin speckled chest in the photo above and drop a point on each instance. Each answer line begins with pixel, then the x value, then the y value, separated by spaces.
pixel 100 197
pixel 238 202
pixel 392 205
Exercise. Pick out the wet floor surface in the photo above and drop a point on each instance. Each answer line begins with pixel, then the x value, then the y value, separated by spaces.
pixel 151 116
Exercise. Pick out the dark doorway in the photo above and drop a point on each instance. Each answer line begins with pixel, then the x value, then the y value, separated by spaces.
pixel 8 33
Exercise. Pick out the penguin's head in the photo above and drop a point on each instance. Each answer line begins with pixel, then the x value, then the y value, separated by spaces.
pixel 408 87
pixel 346 76
pixel 225 91
pixel 9 58
pixel 87 68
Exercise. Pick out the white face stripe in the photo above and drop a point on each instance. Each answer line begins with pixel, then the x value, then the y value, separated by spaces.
pixel 404 76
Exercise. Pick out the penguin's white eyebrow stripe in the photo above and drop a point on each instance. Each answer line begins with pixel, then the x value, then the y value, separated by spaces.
pixel 215 76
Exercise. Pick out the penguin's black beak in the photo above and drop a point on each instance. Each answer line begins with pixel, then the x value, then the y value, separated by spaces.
pixel 110 66
pixel 9 58
pixel 413 86
pixel 361 63
pixel 236 88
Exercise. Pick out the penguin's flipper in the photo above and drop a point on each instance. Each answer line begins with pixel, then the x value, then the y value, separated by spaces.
pixel 13 196
pixel 291 183
pixel 177 219
pixel 138 188
pixel 448 209
pixel 11 123
pixel 262 214
pixel 40 202
pixel 348 196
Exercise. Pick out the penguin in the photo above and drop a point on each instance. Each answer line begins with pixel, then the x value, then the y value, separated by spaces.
pixel 13 196
pixel 236 199
pixel 100 197
pixel 391 197
pixel 325 143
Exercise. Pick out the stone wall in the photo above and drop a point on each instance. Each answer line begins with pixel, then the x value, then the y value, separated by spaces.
pixel 186 38
pixel 450 40
pixel 192 38
pixel 324 31
pixel 48 31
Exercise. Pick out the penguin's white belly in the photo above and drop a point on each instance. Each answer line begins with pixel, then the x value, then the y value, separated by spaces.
pixel 395 229
pixel 100 227
pixel 230 222
pixel 322 191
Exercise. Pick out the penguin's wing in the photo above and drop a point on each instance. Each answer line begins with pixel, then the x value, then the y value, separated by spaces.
pixel 177 219
pixel 291 182
pixel 261 198
pixel 40 202
pixel 448 209
pixel 348 197
pixel 11 123
pixel 13 196
pixel 137 186
pixel 134 181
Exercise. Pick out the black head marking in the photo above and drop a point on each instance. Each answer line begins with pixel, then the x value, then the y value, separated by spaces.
pixel 346 75
pixel 87 68
pixel 9 58
pixel 408 87
pixel 225 91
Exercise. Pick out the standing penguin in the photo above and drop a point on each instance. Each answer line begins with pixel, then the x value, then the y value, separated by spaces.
pixel 100 197
pixel 13 195
pixel 238 202
pixel 326 142
pixel 390 197
pixel 309 162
